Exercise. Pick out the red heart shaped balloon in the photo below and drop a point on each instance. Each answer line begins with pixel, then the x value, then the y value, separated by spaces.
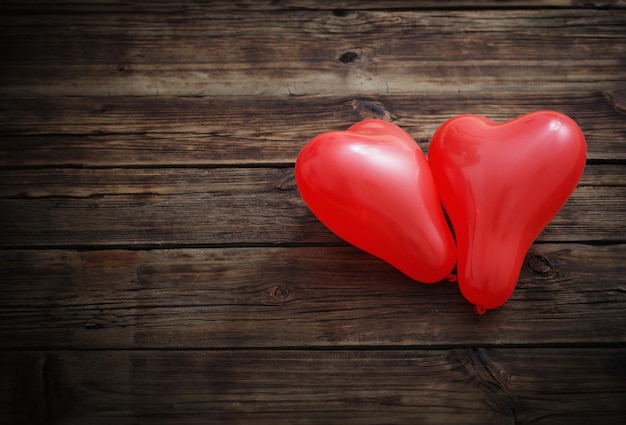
pixel 501 184
pixel 371 185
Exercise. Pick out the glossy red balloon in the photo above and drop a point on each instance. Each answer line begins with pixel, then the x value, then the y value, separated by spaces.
pixel 371 185
pixel 501 184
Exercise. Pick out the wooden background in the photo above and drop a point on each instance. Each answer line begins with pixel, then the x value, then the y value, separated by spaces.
pixel 159 266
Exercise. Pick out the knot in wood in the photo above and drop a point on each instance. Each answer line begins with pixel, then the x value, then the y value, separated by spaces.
pixel 277 294
pixel 285 180
pixel 340 13
pixel 348 57
pixel 617 100
pixel 539 264
pixel 369 109
pixel 482 370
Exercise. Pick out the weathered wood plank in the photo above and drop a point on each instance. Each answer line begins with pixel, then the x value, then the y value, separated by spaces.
pixel 25 183
pixel 141 207
pixel 469 386
pixel 296 297
pixel 129 131
pixel 163 6
pixel 305 52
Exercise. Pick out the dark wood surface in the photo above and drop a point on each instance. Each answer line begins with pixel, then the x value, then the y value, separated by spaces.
pixel 159 266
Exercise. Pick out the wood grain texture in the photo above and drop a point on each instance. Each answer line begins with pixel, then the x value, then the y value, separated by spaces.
pixel 311 52
pixel 338 7
pixel 158 266
pixel 138 207
pixel 472 386
pixel 38 183
pixel 296 297
pixel 149 131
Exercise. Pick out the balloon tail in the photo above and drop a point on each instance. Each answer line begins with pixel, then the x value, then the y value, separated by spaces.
pixel 451 278
pixel 480 310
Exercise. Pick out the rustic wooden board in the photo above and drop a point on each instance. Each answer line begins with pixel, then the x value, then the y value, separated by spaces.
pixel 469 386
pixel 34 183
pixel 311 52
pixel 258 206
pixel 164 6
pixel 148 131
pixel 296 297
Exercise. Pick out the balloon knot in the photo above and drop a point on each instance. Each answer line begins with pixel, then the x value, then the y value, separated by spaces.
pixel 480 310
pixel 451 278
